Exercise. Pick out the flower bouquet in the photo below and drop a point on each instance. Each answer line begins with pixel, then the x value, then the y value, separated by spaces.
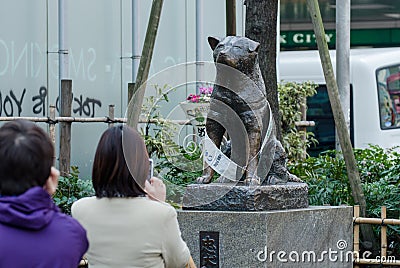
pixel 196 108
pixel 204 96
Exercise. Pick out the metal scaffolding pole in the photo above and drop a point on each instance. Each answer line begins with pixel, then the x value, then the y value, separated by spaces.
pixel 199 43
pixel 343 58
pixel 135 39
pixel 62 46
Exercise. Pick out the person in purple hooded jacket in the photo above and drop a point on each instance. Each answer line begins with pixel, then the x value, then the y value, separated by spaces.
pixel 33 231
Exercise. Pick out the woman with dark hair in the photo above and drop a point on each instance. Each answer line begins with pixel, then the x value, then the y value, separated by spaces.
pixel 127 222
pixel 33 231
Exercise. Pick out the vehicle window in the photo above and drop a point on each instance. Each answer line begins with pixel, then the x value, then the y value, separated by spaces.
pixel 319 110
pixel 388 83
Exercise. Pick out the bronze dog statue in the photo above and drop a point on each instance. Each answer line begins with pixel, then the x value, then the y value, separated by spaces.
pixel 242 94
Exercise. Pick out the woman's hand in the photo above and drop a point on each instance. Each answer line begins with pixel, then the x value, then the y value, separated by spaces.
pixel 52 182
pixel 155 189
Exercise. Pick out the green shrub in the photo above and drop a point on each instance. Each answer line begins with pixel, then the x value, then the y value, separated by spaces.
pixel 291 98
pixel 71 189
pixel 328 183
pixel 326 177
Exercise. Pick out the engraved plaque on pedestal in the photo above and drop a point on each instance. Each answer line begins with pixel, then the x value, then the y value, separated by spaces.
pixel 209 249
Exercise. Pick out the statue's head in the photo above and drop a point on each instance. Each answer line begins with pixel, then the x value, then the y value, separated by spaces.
pixel 235 51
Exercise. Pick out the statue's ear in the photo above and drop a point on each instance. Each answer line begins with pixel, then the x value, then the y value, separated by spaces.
pixel 213 41
pixel 253 46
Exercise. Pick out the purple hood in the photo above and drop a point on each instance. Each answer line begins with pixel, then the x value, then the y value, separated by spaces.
pixel 32 210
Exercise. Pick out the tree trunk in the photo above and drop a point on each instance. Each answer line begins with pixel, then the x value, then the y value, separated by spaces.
pixel 65 127
pixel 340 123
pixel 135 105
pixel 230 17
pixel 261 19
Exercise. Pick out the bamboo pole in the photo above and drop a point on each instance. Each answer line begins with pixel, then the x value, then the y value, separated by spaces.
pixel 304 123
pixel 52 128
pixel 29 118
pixel 65 127
pixel 115 120
pixel 52 125
pixel 385 262
pixel 356 230
pixel 376 221
pixel 383 233
pixel 340 123
pixel 92 120
pixel 131 92
pixel 89 120
pixel 111 115
pixel 303 129
pixel 144 65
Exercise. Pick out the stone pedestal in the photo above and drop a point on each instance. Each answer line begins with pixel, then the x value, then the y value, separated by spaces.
pixel 239 197
pixel 308 237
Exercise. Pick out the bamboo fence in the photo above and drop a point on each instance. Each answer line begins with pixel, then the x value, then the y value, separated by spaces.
pixel 383 259
pixel 65 137
pixel 65 120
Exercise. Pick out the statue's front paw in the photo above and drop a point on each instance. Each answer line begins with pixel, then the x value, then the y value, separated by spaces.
pixel 273 179
pixel 252 182
pixel 203 179
pixel 223 179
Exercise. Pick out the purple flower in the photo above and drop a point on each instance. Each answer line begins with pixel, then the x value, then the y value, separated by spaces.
pixel 190 97
pixel 206 90
pixel 193 98
pixel 204 95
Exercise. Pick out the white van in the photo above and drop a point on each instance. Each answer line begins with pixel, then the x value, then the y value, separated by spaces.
pixel 374 93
